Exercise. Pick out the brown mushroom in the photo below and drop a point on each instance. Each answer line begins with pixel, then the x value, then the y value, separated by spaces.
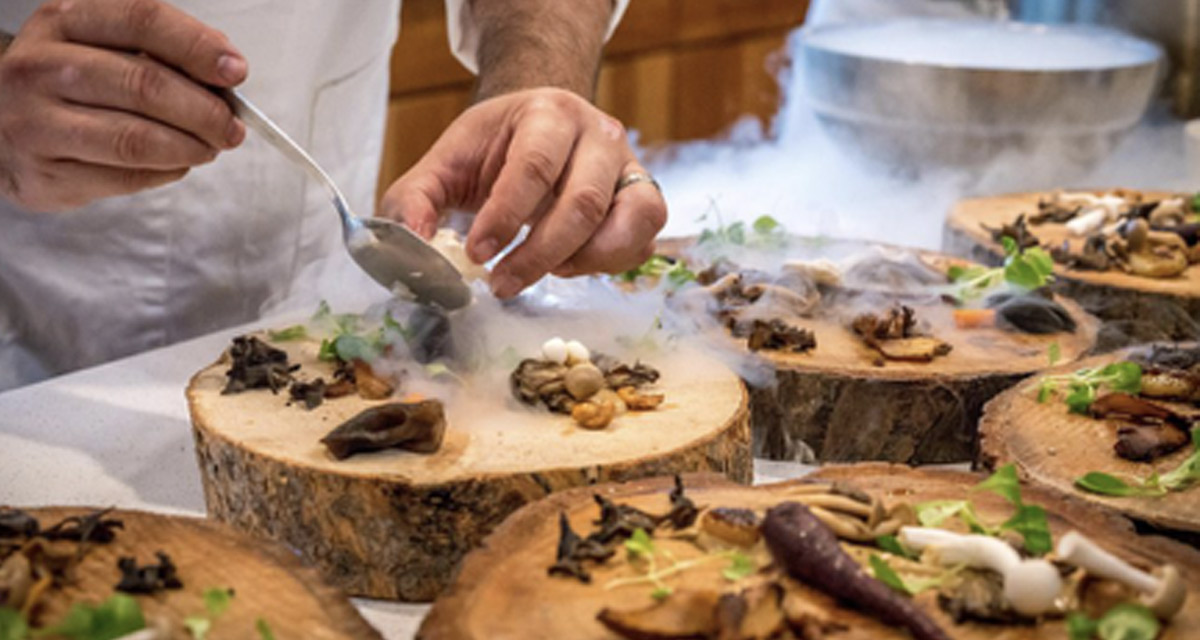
pixel 369 385
pixel 414 426
pixel 583 380
pixel 682 615
pixel 593 415
pixel 639 401
pixel 734 526
pixel 754 614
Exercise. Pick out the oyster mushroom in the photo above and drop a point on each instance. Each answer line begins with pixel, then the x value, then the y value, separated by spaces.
pixel 1168 213
pixel 682 615
pixel 1163 592
pixel 639 401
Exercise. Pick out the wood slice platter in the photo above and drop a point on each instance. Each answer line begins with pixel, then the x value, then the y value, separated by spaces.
pixel 503 590
pixel 394 524
pixel 1052 447
pixel 268 581
pixel 1135 308
pixel 836 403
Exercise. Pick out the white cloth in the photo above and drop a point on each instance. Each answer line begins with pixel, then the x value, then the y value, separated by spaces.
pixel 230 241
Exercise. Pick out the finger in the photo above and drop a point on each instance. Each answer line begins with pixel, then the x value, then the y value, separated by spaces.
pixel 143 86
pixel 578 212
pixel 416 199
pixel 156 28
pixel 77 183
pixel 626 239
pixel 536 157
pixel 118 139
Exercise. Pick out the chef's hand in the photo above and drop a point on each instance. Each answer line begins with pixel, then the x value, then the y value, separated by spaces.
pixel 542 157
pixel 103 97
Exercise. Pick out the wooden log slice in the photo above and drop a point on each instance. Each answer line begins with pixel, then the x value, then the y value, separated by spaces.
pixel 394 524
pixel 1052 447
pixel 1135 309
pixel 836 403
pixel 268 581
pixel 503 590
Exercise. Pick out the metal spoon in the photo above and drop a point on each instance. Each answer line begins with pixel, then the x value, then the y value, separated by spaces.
pixel 388 251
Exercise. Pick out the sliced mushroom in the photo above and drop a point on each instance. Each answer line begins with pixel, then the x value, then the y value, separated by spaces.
pixel 369 385
pixel 731 525
pixel 682 615
pixel 638 401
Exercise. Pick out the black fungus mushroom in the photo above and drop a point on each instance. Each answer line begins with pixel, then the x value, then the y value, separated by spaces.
pixel 310 394
pixel 150 578
pixel 683 511
pixel 413 426
pixel 16 523
pixel 257 365
pixel 93 527
pixel 619 521
pixel 573 551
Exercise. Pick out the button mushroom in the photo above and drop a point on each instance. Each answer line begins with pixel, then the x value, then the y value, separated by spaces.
pixel 1030 585
pixel 584 380
pixel 1164 592
pixel 555 350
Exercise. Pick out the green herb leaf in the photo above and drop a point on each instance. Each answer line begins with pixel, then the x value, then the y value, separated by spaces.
pixel 1053 353
pixel 294 332
pixel 1188 472
pixel 1105 484
pixel 887 575
pixel 892 545
pixel 661 593
pixel 1195 202
pixel 1080 627
pixel 323 311
pixel 1030 522
pixel 12 625
pixel 217 600
pixel 118 616
pixel 736 233
pixel 327 352
pixel 1128 621
pixel 197 626
pixel 1044 392
pixel 764 225
pixel 740 566
pixel 264 630
pixel 1010 245
pixel 1003 483
pixel 1080 397
pixel 639 545
pixel 1123 376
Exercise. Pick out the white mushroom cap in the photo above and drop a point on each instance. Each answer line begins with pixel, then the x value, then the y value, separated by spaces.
pixel 577 353
pixel 1163 594
pixel 555 350
pixel 1032 586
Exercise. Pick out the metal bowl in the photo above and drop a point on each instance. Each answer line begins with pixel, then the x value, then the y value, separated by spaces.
pixel 919 93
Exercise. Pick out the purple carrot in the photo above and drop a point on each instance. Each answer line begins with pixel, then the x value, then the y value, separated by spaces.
pixel 810 553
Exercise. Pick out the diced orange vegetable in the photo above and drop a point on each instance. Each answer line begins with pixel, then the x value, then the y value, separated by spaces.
pixel 974 318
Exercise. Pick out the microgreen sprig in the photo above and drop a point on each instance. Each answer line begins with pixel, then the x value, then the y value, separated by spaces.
pixel 1084 385
pixel 640 549
pixel 1029 268
pixel 1029 520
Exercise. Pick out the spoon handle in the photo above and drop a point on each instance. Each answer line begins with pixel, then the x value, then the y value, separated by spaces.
pixel 264 126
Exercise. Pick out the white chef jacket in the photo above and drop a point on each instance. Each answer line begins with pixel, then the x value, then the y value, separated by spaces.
pixel 228 242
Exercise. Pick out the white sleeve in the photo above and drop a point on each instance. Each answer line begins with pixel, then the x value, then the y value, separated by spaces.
pixel 464 33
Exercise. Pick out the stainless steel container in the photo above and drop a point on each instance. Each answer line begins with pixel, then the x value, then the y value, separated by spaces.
pixel 935 102
pixel 1173 23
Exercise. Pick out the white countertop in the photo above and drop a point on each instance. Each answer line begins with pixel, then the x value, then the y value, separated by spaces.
pixel 119 434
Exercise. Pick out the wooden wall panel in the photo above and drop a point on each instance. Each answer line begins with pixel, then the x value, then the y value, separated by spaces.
pixel 674 70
